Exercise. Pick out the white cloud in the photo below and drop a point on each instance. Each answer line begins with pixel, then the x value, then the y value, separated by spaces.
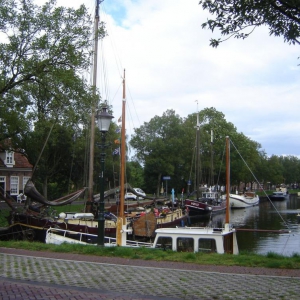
pixel 169 64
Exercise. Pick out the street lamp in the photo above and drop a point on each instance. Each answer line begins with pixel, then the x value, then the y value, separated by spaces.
pixel 103 122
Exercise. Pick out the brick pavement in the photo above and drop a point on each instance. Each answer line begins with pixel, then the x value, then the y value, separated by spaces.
pixel 47 275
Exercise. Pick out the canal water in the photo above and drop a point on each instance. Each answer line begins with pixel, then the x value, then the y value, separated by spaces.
pixel 270 216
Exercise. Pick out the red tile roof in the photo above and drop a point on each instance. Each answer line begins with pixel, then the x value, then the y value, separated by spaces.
pixel 21 161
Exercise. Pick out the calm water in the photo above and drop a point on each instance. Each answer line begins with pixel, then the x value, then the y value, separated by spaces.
pixel 265 216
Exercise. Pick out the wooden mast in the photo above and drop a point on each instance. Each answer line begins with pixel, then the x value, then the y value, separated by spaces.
pixel 121 223
pixel 92 136
pixel 227 179
pixel 197 157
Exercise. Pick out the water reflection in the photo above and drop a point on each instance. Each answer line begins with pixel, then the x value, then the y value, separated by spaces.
pixel 273 216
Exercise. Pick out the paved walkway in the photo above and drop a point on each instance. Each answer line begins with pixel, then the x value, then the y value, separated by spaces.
pixel 46 275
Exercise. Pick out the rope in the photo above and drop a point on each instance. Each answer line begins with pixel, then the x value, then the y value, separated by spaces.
pixel 286 224
pixel 35 166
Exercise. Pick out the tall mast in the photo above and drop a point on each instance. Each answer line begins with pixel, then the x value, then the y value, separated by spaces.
pixel 94 105
pixel 197 157
pixel 123 152
pixel 227 179
pixel 211 181
pixel 121 224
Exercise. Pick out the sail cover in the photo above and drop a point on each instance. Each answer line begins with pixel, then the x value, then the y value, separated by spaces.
pixel 32 192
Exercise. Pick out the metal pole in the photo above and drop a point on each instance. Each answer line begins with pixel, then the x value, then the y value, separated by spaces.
pixel 101 218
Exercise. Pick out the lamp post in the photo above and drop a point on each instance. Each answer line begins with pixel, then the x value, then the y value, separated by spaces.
pixel 103 122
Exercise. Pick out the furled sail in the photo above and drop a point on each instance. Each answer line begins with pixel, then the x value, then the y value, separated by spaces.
pixel 31 192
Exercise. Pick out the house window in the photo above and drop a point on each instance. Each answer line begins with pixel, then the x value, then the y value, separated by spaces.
pixel 9 157
pixel 14 185
pixel 2 186
pixel 25 179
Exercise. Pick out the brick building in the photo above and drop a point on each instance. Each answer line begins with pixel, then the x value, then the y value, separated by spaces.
pixel 15 170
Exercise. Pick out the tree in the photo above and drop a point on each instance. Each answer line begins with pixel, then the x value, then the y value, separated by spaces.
pixel 239 18
pixel 135 174
pixel 56 161
pixel 159 148
pixel 275 170
pixel 43 52
pixel 290 169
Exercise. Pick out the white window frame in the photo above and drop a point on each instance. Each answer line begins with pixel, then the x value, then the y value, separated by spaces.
pixel 3 179
pixel 9 160
pixel 14 185
pixel 25 179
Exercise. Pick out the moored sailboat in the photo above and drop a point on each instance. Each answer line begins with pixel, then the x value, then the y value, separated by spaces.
pixel 183 239
pixel 210 201
pixel 243 199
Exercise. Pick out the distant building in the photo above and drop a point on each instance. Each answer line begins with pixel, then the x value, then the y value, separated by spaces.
pixel 15 171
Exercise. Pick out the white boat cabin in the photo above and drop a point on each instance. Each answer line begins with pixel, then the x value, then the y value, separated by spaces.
pixel 197 239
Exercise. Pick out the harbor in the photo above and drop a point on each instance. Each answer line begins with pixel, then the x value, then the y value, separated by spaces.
pixel 265 216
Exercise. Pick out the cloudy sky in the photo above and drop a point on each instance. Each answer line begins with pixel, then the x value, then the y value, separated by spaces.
pixel 169 65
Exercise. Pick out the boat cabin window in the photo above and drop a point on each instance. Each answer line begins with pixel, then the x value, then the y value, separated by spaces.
pixel 185 244
pixel 164 243
pixel 207 245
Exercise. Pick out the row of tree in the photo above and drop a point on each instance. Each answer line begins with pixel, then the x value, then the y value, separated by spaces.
pixel 166 146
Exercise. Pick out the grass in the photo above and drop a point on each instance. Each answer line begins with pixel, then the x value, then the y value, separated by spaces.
pixel 271 260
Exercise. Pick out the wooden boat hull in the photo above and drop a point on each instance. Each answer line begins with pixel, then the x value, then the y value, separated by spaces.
pixel 196 208
pixel 279 196
pixel 221 207
pixel 42 223
pixel 146 225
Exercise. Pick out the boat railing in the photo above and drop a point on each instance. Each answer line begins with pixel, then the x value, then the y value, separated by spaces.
pixel 92 238
pixel 185 227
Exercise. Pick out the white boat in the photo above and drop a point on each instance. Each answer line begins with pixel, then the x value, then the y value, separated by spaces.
pixel 281 193
pixel 243 200
pixel 181 239
pixel 59 236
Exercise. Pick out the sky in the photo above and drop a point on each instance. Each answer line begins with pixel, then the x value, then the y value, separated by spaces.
pixel 169 64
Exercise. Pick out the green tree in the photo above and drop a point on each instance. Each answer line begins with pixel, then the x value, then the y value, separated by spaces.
pixel 44 52
pixel 239 18
pixel 245 158
pixel 213 154
pixel 275 169
pixel 135 174
pixel 158 146
pixel 55 163
pixel 290 168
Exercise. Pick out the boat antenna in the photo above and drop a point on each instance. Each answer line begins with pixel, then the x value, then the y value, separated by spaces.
pixel 197 153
